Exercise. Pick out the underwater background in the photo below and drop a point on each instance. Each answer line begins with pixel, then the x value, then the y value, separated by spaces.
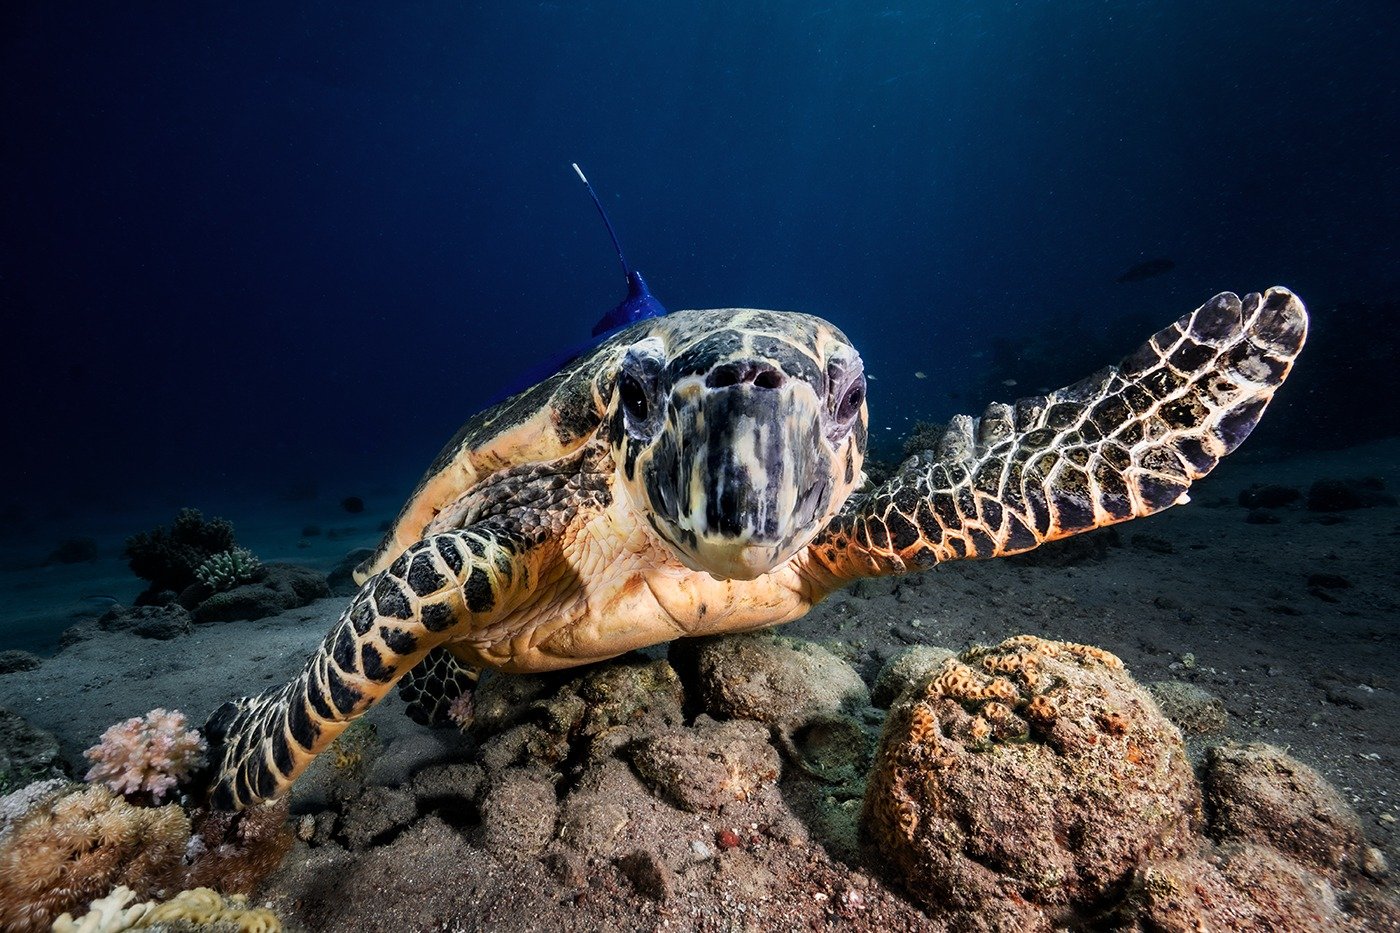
pixel 263 259
pixel 260 258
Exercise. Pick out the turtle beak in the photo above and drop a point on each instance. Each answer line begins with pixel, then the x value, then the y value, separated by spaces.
pixel 742 480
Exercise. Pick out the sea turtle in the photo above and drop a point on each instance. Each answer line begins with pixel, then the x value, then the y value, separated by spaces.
pixel 701 473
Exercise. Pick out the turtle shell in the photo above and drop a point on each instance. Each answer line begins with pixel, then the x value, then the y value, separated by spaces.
pixel 541 423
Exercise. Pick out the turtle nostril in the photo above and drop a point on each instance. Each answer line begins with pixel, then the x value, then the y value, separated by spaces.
pixel 724 376
pixel 760 375
pixel 768 379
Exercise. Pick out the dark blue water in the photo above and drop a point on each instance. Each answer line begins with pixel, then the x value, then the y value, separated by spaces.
pixel 261 248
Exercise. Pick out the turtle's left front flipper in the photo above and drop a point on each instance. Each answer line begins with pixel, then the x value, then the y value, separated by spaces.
pixel 447 586
pixel 1124 443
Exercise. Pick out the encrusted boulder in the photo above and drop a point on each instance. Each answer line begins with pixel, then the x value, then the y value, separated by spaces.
pixel 905 669
pixel 768 678
pixel 1259 794
pixel 1239 887
pixel 705 766
pixel 281 587
pixel 1022 785
pixel 1195 710
pixel 540 721
pixel 518 814
pixel 27 753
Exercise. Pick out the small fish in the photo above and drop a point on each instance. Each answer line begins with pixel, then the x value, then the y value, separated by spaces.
pixel 920 374
pixel 1009 383
pixel 1146 270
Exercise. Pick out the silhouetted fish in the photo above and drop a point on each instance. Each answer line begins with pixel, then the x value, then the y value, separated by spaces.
pixel 1146 270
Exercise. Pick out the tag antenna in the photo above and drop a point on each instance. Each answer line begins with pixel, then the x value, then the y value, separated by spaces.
pixel 626 269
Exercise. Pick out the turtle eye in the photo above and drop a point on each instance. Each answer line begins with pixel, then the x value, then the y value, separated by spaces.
pixel 634 398
pixel 640 393
pixel 852 400
pixel 845 379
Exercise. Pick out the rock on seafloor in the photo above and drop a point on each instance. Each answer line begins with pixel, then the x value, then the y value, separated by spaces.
pixel 1195 710
pixel 905 669
pixel 1024 783
pixel 1259 794
pixel 1030 786
pixel 285 586
pixel 768 678
pixel 1035 785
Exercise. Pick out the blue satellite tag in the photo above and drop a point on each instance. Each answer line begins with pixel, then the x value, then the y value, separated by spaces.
pixel 639 304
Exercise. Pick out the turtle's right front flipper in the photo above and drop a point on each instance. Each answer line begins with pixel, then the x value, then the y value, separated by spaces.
pixel 435 590
pixel 1124 443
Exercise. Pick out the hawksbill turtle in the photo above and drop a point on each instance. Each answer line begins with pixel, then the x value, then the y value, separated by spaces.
pixel 702 473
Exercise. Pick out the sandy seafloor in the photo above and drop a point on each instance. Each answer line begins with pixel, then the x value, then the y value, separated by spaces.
pixel 1314 674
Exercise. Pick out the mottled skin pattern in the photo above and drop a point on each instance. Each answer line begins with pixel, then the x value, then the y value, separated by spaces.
pixel 1121 444
pixel 694 475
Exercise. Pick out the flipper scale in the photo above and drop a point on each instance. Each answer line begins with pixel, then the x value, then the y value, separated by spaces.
pixel 1123 443
pixel 442 586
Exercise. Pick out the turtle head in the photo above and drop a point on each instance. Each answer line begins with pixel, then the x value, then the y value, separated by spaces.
pixel 738 434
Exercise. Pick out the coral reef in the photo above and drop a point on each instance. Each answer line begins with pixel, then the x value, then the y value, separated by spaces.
pixel 196 909
pixel 17 804
pixel 196 563
pixel 146 756
pixel 63 844
pixel 168 557
pixel 1024 783
pixel 232 852
pixel 279 588
pixel 75 843
pixel 1046 790
pixel 227 569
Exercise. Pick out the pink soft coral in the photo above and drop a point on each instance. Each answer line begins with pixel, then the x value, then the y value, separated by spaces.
pixel 146 754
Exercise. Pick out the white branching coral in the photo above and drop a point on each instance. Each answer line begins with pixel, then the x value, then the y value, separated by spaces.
pixel 146 754
pixel 200 908
pixel 227 569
